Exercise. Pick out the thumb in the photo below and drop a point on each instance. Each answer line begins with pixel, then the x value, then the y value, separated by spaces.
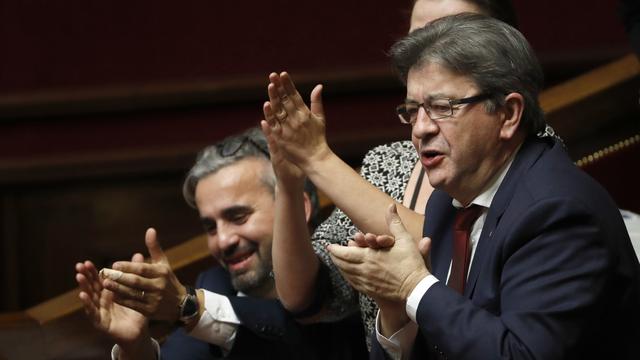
pixel 137 257
pixel 316 101
pixel 396 227
pixel 424 245
pixel 155 251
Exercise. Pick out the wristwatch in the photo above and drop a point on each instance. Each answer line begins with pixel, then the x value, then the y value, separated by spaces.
pixel 189 306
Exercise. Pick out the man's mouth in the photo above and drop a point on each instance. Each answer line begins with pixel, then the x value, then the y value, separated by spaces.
pixel 238 261
pixel 431 158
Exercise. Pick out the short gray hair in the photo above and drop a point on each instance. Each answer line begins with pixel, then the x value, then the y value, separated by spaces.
pixel 250 143
pixel 493 54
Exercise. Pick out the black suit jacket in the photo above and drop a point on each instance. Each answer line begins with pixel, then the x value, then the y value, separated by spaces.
pixel 268 331
pixel 554 275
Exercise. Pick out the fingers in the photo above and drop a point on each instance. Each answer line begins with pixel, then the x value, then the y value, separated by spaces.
pixel 352 254
pixel 274 128
pixel 396 227
pixel 125 291
pixel 86 289
pixel 359 240
pixel 125 271
pixel 291 91
pixel 90 279
pixel 316 100
pixel 286 100
pixel 277 97
pixel 384 241
pixel 155 251
pixel 90 308
pixel 137 257
pixel 373 241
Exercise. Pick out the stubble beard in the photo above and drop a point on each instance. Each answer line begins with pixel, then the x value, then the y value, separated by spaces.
pixel 255 282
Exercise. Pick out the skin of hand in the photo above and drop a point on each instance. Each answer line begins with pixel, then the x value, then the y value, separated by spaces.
pixel 162 290
pixel 384 273
pixel 385 241
pixel 287 173
pixel 298 130
pixel 393 315
pixel 127 327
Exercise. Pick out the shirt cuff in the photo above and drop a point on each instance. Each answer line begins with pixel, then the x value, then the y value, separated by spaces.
pixel 413 301
pixel 218 324
pixel 399 345
pixel 115 350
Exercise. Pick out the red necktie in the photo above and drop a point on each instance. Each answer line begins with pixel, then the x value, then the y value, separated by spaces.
pixel 461 247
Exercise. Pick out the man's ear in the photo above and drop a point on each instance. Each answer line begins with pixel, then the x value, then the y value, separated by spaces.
pixel 512 114
pixel 307 207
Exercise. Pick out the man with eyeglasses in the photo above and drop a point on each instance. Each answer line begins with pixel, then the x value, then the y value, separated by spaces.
pixel 528 256
pixel 234 312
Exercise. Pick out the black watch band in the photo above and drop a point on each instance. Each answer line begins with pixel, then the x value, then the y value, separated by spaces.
pixel 189 306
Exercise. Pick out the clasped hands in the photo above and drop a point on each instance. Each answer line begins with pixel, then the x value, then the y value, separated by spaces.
pixel 120 300
pixel 387 268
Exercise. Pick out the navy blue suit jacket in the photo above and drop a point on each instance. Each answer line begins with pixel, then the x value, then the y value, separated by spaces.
pixel 554 275
pixel 268 331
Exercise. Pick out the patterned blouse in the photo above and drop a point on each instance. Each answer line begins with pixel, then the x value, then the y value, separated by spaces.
pixel 388 167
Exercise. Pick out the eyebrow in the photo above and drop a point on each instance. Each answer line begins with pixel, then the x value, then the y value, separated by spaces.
pixel 236 209
pixel 429 97
pixel 228 213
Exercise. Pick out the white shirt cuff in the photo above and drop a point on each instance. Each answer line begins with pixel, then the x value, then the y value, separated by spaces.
pixel 218 324
pixel 399 345
pixel 115 350
pixel 413 301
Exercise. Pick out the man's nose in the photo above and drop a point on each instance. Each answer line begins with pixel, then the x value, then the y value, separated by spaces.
pixel 424 126
pixel 227 236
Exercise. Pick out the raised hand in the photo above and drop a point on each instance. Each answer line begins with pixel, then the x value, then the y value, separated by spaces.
pixel 298 130
pixel 125 326
pixel 151 289
pixel 286 171
pixel 385 273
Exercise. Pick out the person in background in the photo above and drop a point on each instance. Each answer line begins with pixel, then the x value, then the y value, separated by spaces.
pixel 233 312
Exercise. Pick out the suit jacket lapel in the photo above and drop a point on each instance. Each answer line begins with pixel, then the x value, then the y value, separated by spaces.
pixel 438 226
pixel 526 157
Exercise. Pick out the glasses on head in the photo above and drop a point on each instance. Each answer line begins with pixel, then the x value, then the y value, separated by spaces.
pixel 230 148
pixel 436 108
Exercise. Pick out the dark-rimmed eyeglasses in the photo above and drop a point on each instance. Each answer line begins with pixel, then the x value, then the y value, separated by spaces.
pixel 436 108
pixel 230 148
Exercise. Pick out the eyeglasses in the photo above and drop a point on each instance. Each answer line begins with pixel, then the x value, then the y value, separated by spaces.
pixel 230 148
pixel 435 108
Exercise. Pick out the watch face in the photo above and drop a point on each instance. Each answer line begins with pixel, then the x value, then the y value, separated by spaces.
pixel 190 307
